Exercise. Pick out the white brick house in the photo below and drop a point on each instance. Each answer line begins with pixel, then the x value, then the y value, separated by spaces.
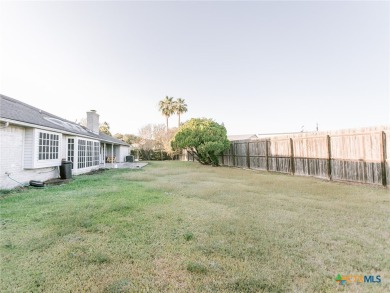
pixel 33 143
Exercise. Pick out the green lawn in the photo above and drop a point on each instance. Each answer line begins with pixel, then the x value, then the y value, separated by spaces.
pixel 184 227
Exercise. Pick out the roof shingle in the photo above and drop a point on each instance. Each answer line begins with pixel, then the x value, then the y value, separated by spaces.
pixel 18 111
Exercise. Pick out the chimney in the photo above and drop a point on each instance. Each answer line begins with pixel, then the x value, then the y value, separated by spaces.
pixel 93 121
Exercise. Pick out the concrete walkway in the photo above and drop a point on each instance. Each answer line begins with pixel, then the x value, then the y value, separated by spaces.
pixel 134 165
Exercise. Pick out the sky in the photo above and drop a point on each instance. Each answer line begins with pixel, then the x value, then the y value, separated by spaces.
pixel 258 66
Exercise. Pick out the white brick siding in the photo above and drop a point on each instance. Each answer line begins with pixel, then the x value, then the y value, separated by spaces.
pixel 19 156
pixel 12 160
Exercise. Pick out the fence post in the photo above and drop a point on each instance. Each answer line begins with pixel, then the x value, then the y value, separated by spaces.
pixel 329 157
pixel 266 155
pixel 234 153
pixel 292 165
pixel 383 163
pixel 248 161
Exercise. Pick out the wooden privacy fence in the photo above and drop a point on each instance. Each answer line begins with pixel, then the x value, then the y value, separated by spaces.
pixel 354 155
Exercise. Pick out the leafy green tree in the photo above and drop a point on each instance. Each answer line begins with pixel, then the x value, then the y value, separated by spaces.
pixel 203 138
pixel 180 108
pixel 167 108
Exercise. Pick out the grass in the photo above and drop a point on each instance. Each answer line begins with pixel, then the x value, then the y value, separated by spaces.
pixel 177 226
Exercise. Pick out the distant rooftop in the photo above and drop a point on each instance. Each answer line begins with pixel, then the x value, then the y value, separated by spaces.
pixel 242 137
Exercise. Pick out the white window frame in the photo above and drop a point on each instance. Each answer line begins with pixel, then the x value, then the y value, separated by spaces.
pixel 32 158
pixel 71 153
pixel 86 153
pixel 48 146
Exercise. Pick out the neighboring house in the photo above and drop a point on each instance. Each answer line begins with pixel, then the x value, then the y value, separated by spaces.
pixel 33 143
pixel 242 137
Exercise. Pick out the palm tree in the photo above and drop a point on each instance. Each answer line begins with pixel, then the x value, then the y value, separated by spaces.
pixel 180 107
pixel 166 107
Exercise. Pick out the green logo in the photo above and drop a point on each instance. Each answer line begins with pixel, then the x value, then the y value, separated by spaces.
pixel 340 279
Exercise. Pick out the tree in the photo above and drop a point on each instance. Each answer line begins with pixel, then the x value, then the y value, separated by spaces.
pixel 146 142
pixel 105 128
pixel 167 108
pixel 202 138
pixel 163 139
pixel 155 141
pixel 127 138
pixel 82 122
pixel 180 108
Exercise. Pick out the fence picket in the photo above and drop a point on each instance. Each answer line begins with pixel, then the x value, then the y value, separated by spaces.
pixel 359 155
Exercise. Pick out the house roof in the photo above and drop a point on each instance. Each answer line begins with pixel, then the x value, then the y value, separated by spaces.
pixel 19 112
pixel 107 138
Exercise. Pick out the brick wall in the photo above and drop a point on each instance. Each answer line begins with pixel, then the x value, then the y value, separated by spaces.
pixel 12 160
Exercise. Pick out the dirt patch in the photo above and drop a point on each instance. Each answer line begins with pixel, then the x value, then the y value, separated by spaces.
pixel 98 171
pixel 57 181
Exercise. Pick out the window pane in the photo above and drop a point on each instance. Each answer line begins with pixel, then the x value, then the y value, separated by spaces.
pixel 48 146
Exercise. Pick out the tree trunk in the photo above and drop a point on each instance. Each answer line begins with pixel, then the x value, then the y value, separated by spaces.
pixel 179 120
pixel 167 122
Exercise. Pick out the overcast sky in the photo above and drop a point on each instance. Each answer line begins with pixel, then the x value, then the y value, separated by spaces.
pixel 259 67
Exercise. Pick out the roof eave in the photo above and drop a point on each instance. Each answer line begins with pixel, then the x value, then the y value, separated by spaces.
pixel 26 124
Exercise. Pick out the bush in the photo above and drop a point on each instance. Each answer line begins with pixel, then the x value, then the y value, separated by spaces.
pixel 203 138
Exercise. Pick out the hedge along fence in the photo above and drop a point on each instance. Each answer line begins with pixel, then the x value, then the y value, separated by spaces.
pixel 358 155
